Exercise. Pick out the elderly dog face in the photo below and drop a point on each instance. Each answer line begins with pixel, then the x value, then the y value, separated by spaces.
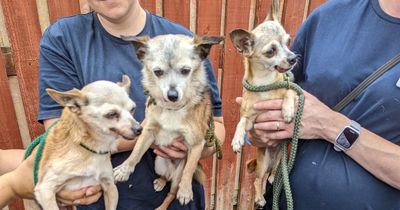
pixel 175 78
pixel 103 106
pixel 266 45
pixel 171 66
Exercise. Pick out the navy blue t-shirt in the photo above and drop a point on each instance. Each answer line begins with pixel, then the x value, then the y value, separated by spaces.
pixel 77 50
pixel 341 44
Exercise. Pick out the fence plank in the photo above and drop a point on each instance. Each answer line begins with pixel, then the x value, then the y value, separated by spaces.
pixel 293 16
pixel 209 23
pixel 149 5
pixel 314 4
pixel 24 33
pixel 237 16
pixel 9 132
pixel 177 11
pixel 58 9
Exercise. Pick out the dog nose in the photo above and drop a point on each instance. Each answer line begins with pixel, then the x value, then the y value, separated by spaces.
pixel 292 60
pixel 137 130
pixel 172 95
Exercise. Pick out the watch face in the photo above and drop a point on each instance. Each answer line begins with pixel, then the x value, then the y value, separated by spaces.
pixel 351 135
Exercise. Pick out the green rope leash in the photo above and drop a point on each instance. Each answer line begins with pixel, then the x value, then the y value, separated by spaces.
pixel 40 140
pixel 285 166
pixel 212 139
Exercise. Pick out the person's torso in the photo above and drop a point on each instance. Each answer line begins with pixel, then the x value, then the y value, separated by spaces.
pixel 345 42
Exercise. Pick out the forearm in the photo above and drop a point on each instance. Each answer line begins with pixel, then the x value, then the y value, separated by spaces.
pixel 6 192
pixel 220 133
pixel 125 145
pixel 375 154
pixel 10 159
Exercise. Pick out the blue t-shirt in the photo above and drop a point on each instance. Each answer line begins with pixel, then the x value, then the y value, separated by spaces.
pixel 341 44
pixel 77 50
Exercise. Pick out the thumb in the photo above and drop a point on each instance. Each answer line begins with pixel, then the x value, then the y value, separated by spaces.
pixel 239 100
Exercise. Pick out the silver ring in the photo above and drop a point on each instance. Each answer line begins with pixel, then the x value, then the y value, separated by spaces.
pixel 277 126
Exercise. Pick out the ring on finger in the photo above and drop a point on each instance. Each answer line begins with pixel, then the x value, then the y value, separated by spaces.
pixel 277 126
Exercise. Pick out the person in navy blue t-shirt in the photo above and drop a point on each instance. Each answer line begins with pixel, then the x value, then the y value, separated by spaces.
pixel 339 45
pixel 80 49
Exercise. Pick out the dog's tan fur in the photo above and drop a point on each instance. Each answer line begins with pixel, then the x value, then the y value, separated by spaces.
pixel 65 164
pixel 166 120
pixel 261 68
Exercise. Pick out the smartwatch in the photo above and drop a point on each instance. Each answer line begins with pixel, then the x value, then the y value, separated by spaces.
pixel 347 136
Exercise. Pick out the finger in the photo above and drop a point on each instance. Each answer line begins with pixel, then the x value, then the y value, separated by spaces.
pixel 272 115
pixel 88 199
pixel 93 190
pixel 271 126
pixel 268 104
pixel 70 196
pixel 278 135
pixel 160 153
pixel 173 154
pixel 239 100
pixel 180 146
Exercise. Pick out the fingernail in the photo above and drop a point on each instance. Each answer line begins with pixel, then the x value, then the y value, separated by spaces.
pixel 77 202
pixel 255 126
pixel 89 193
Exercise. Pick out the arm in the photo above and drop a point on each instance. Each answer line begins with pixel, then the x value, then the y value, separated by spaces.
pixel 375 154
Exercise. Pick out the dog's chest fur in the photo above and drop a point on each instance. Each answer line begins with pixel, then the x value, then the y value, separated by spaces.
pixel 171 122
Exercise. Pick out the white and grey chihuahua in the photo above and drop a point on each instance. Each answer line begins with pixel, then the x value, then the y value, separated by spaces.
pixel 266 59
pixel 179 104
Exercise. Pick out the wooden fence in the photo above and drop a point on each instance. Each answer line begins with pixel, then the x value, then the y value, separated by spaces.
pixel 228 186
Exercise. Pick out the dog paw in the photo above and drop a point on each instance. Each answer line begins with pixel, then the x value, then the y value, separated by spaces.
pixel 260 201
pixel 159 184
pixel 237 144
pixel 185 194
pixel 288 113
pixel 122 172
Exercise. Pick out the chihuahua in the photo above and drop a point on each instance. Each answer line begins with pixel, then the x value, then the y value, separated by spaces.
pixel 179 104
pixel 266 59
pixel 78 147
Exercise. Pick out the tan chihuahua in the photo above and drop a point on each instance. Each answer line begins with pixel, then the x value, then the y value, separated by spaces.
pixel 179 104
pixel 78 147
pixel 266 59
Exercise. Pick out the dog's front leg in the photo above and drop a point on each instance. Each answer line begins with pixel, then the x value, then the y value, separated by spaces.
pixel 46 196
pixel 185 192
pixel 288 105
pixel 122 172
pixel 237 141
pixel 110 193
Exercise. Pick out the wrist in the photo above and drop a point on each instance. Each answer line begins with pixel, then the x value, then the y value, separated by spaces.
pixel 333 126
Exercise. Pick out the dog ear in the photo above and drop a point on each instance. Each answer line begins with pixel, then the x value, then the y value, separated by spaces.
pixel 125 83
pixel 72 99
pixel 243 41
pixel 139 42
pixel 204 44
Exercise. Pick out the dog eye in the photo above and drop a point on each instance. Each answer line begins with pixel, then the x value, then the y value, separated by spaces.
pixel 185 71
pixel 270 53
pixel 158 72
pixel 112 115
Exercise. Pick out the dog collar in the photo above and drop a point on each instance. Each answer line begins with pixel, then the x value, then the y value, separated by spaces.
pixel 93 151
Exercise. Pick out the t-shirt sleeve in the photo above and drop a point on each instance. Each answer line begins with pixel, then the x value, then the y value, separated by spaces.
pixel 215 97
pixel 298 48
pixel 56 71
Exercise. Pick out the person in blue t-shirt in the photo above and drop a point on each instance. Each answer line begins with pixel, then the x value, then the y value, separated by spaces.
pixel 80 49
pixel 339 45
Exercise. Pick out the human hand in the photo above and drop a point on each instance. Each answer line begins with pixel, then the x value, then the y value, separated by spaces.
pixel 84 196
pixel 270 128
pixel 177 150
